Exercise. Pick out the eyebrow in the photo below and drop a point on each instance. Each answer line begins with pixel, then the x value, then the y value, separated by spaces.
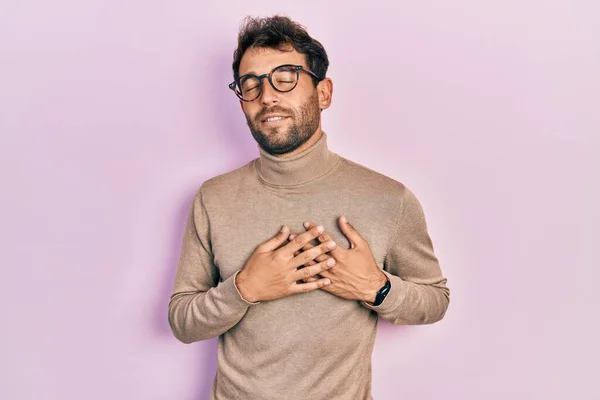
pixel 255 73
pixel 249 72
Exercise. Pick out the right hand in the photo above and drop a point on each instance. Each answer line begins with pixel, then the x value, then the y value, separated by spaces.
pixel 271 272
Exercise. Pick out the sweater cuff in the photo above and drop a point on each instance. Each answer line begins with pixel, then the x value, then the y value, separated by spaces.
pixel 394 298
pixel 238 291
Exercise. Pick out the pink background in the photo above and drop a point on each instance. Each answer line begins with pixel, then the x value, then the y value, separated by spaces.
pixel 112 113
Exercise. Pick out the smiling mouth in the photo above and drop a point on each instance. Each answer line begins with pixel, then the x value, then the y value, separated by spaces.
pixel 274 119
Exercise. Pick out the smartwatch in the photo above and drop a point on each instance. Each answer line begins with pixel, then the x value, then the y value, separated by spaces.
pixel 382 293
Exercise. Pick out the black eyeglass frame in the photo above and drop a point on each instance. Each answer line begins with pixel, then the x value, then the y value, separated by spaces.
pixel 269 76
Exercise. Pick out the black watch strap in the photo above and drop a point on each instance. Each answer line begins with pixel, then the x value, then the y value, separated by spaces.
pixel 382 293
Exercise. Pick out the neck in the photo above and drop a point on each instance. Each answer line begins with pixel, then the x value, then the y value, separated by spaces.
pixel 298 167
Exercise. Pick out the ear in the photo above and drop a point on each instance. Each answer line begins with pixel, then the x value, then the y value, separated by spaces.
pixel 325 91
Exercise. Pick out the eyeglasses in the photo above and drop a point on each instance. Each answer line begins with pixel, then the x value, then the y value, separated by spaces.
pixel 283 79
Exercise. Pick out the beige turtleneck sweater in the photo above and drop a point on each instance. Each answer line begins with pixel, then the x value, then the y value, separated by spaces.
pixel 311 345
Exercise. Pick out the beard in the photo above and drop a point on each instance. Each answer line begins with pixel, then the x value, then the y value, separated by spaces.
pixel 280 140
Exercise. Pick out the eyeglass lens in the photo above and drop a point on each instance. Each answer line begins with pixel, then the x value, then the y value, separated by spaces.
pixel 284 79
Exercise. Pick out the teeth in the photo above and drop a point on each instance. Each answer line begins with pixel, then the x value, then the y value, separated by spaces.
pixel 274 119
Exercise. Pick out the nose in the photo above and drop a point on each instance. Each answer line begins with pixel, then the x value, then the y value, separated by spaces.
pixel 269 96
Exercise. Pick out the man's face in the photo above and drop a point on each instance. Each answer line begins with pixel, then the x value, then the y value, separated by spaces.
pixel 297 113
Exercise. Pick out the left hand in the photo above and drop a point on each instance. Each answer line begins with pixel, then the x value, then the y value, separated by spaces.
pixel 355 276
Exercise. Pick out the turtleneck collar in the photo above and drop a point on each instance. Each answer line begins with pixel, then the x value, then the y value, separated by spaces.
pixel 301 168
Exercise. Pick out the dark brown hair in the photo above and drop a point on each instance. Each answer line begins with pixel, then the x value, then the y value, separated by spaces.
pixel 280 32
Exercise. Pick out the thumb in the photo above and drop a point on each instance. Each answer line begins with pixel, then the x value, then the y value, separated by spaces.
pixel 277 240
pixel 352 234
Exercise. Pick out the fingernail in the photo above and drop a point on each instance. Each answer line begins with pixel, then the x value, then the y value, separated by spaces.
pixel 327 282
pixel 283 229
pixel 320 229
pixel 331 245
pixel 306 224
pixel 330 262
pixel 344 220
pixel 292 236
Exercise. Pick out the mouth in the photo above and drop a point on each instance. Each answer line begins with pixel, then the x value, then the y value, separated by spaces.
pixel 273 118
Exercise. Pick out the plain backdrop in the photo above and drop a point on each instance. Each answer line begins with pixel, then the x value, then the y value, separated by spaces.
pixel 112 113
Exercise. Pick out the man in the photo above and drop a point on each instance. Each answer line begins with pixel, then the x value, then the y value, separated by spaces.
pixel 296 311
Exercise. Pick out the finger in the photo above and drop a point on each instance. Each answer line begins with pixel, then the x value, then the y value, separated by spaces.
pixel 307 246
pixel 311 279
pixel 352 234
pixel 337 252
pixel 276 241
pixel 324 238
pixel 313 270
pixel 308 264
pixel 309 225
pixel 310 286
pixel 311 262
pixel 322 257
pixel 300 241
pixel 311 254
pixel 328 274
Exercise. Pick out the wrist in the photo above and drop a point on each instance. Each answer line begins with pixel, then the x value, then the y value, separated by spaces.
pixel 242 287
pixel 378 282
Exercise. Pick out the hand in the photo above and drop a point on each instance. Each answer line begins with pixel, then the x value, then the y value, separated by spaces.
pixel 271 272
pixel 356 275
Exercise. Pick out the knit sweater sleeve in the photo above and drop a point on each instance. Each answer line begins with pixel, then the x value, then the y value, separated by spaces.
pixel 418 293
pixel 202 307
